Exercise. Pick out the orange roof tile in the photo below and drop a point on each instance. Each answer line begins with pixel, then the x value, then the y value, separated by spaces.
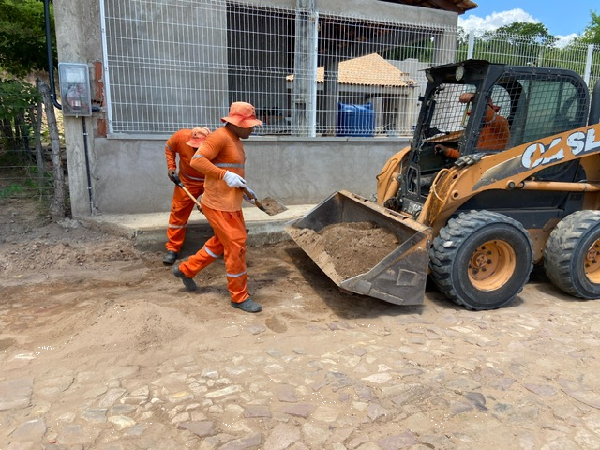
pixel 368 70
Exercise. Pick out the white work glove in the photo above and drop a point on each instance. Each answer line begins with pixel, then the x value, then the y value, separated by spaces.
pixel 233 180
pixel 248 198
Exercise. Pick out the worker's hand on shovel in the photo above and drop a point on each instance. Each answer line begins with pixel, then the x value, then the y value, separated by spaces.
pixel 250 196
pixel 172 173
pixel 175 179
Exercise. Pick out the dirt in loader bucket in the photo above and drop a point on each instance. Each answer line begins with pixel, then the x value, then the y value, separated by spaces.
pixel 365 248
pixel 353 247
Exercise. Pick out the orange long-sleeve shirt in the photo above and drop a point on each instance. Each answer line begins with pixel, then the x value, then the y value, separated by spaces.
pixel 177 145
pixel 493 136
pixel 221 151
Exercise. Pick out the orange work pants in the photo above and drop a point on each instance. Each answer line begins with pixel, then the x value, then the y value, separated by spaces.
pixel 230 241
pixel 181 208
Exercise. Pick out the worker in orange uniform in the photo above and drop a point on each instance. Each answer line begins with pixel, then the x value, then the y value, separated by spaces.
pixel 222 159
pixel 493 136
pixel 184 143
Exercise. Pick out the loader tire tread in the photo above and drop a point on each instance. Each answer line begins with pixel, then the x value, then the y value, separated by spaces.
pixel 446 249
pixel 565 247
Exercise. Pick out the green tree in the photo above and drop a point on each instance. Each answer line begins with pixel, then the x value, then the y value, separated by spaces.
pixel 591 35
pixel 518 43
pixel 23 37
pixel 17 102
pixel 23 51
pixel 527 33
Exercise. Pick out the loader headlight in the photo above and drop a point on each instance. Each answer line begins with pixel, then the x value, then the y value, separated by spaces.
pixel 460 72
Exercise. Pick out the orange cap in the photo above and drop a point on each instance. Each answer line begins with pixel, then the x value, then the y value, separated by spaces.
pixel 242 115
pixel 198 135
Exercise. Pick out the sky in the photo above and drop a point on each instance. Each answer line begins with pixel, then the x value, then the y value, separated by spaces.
pixel 563 18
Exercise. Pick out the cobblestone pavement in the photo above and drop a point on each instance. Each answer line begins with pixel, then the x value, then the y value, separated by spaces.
pixel 132 361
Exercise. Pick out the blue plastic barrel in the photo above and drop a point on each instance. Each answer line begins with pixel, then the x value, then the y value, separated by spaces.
pixel 356 120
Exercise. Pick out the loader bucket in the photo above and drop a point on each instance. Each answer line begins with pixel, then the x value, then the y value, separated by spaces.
pixel 398 276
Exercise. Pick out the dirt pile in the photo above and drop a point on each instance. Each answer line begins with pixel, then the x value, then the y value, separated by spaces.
pixel 345 250
pixel 63 245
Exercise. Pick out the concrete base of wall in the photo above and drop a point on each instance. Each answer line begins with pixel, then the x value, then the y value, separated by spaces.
pixel 148 231
pixel 130 174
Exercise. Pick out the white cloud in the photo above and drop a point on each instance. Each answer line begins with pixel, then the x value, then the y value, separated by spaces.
pixel 495 20
pixel 563 41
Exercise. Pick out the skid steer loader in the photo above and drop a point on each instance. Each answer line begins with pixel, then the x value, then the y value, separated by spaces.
pixel 479 223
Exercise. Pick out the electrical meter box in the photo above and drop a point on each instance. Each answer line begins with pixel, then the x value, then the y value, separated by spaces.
pixel 75 92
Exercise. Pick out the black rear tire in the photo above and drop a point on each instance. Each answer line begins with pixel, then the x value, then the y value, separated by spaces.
pixel 481 259
pixel 572 255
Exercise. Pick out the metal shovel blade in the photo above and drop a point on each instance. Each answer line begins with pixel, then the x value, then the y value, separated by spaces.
pixel 267 205
pixel 271 206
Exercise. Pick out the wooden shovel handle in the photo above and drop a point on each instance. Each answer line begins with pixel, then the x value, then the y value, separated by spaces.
pixel 191 196
pixel 175 179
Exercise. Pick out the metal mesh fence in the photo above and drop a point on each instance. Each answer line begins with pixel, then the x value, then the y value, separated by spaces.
pixel 306 73
pixel 25 154
pixel 181 64
pixel 516 50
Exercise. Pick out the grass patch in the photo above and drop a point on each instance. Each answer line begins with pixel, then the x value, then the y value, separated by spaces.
pixel 10 191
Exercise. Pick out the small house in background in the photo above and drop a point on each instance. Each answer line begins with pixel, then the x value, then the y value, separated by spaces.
pixel 367 87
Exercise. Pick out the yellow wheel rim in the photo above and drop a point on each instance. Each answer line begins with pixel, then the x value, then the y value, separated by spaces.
pixel 592 262
pixel 493 264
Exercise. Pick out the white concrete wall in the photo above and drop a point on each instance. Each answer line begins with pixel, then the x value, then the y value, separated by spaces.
pixel 133 175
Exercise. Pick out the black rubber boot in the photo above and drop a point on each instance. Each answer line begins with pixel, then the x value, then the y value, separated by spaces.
pixel 188 282
pixel 170 258
pixel 248 305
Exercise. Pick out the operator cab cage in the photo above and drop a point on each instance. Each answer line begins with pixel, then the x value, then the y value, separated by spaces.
pixel 536 102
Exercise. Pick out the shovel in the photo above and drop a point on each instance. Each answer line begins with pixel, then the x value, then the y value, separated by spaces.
pixel 175 179
pixel 268 205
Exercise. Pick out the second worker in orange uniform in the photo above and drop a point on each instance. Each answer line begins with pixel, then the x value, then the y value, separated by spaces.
pixel 182 144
